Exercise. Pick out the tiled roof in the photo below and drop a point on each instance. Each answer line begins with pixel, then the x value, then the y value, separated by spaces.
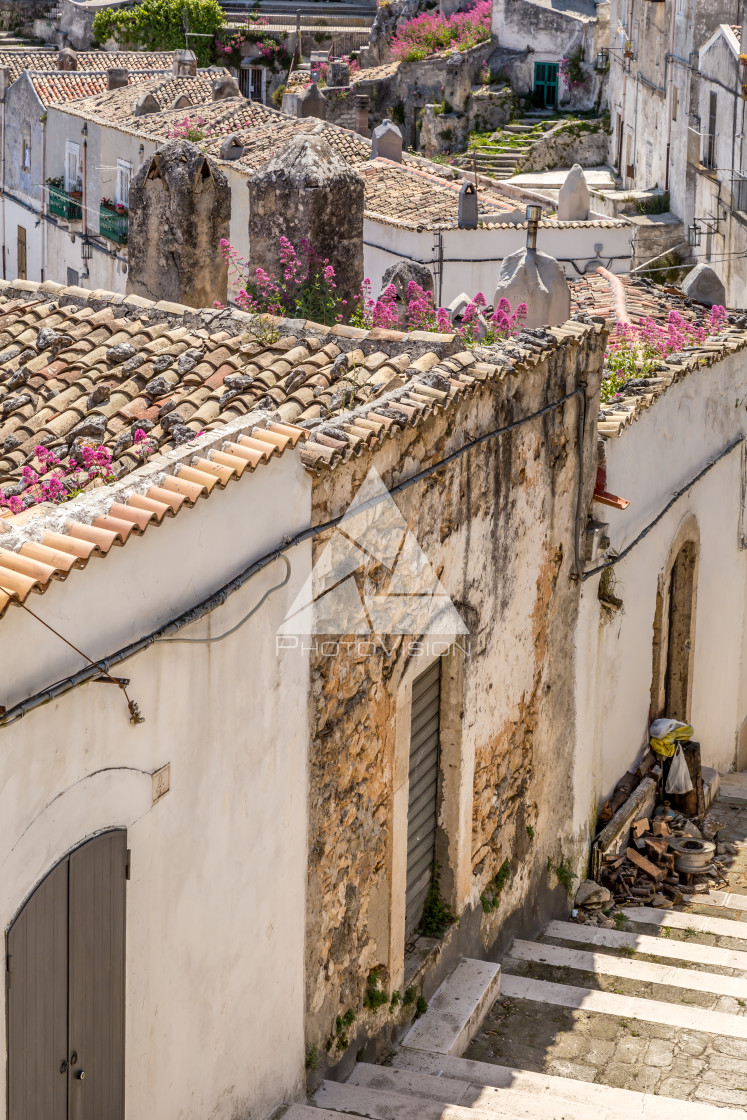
pixel 216 400
pixel 56 86
pixel 16 61
pixel 410 194
pixel 416 198
pixel 118 105
pixel 637 299
pixel 595 294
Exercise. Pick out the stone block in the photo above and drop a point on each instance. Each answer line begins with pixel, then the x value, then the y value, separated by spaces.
pixel 573 198
pixel 457 1009
pixel 537 280
pixel 180 209
pixel 704 285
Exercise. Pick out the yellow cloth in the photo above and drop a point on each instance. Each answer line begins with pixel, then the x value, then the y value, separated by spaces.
pixel 666 744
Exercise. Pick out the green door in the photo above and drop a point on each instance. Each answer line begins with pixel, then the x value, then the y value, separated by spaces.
pixel 546 84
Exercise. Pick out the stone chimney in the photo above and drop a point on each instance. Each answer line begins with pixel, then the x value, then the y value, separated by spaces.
pixel 361 114
pixel 573 197
pixel 145 104
pixel 308 191
pixel 67 59
pixel 185 64
pixel 312 103
pixel 535 279
pixel 180 208
pixel 338 73
pixel 224 87
pixel 117 77
pixel 386 142
pixel 467 206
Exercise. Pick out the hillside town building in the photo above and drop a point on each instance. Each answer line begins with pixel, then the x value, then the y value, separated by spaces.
pixel 334 638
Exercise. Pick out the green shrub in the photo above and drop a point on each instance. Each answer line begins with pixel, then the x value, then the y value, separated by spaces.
pixel 158 25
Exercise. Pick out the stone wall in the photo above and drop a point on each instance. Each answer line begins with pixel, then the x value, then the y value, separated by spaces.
pixel 20 15
pixel 446 77
pixel 583 142
pixel 487 109
pixel 497 525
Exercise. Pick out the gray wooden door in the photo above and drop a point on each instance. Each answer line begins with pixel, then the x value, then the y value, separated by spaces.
pixel 37 1003
pixel 422 809
pixel 66 984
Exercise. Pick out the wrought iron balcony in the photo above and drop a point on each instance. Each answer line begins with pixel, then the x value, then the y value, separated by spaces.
pixel 113 225
pixel 63 205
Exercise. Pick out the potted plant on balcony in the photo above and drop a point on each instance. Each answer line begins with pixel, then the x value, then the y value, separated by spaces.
pixel 108 204
pixel 56 181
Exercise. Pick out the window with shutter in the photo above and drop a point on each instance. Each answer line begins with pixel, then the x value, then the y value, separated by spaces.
pixel 72 166
pixel 124 172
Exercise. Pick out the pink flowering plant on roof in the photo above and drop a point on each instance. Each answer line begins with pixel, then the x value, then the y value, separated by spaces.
pixel 194 129
pixel 56 481
pixel 305 289
pixel 637 350
pixel 432 31
pixel 421 314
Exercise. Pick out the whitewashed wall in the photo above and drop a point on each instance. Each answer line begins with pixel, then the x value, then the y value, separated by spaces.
pixel 671 442
pixel 473 257
pixel 216 901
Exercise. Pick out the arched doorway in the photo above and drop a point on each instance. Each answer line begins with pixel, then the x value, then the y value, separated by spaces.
pixel 674 629
pixel 66 987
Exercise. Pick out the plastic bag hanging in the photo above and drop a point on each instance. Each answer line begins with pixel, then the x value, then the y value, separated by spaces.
pixel 678 779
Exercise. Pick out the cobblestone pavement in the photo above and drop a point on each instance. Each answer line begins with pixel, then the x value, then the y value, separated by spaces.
pixel 688 1064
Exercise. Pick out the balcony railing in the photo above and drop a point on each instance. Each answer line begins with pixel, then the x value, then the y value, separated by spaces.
pixel 113 226
pixel 63 205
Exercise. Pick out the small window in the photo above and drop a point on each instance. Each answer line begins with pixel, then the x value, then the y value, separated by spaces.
pixel 72 278
pixel 124 173
pixel 25 150
pixel 709 155
pixel 72 166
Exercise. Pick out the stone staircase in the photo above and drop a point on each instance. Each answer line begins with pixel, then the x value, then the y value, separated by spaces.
pixel 499 155
pixel 643 1017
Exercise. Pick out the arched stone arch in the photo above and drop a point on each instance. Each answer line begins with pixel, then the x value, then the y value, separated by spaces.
pixel 674 625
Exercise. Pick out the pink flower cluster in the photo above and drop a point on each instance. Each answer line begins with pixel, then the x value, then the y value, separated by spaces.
pixel 56 481
pixel 191 128
pixel 637 350
pixel 306 288
pixel 421 314
pixel 432 31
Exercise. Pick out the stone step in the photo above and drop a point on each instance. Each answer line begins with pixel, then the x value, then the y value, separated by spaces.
pixel 627 1103
pixel 647 945
pixel 734 785
pixel 396 1095
pixel 737 902
pixel 603 964
pixel 675 919
pixel 457 1009
pixel 310 1112
pixel 680 1016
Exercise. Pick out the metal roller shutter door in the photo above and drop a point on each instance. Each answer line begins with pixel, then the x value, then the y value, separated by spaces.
pixel 423 796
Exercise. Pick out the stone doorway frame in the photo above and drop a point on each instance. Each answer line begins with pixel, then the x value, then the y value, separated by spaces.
pixel 674 625
pixel 456 785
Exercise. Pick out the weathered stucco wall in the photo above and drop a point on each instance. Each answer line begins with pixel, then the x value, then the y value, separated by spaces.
pixel 215 903
pixel 646 464
pixel 498 527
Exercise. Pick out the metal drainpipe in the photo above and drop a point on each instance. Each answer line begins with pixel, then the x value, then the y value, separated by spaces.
pixel 2 177
pixel 534 213
pixel 84 230
pixel 668 81
pixel 43 181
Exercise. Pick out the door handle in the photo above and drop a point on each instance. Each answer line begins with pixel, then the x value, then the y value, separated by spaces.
pixel 81 1074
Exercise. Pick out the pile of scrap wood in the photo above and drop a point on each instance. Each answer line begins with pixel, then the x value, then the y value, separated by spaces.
pixel 666 857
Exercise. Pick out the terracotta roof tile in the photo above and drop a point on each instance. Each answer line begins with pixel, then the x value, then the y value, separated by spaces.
pixel 287 394
pixel 17 60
